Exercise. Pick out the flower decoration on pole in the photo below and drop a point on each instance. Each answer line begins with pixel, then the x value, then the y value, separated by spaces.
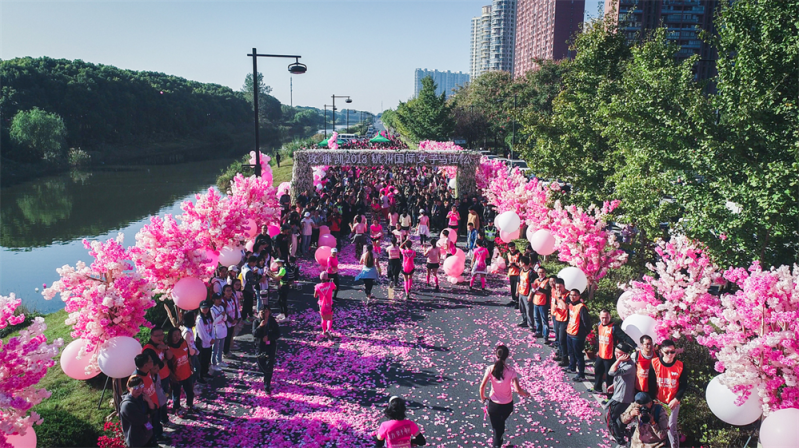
pixel 217 221
pixel 24 361
pixel 266 170
pixel 486 171
pixel 757 341
pixel 106 299
pixel 257 198
pixel 332 142
pixel 525 197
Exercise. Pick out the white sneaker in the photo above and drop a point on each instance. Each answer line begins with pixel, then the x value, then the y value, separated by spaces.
pixel 222 364
pixel 280 317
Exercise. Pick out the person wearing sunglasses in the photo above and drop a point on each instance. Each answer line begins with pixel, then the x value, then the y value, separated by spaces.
pixel 134 414
pixel 668 383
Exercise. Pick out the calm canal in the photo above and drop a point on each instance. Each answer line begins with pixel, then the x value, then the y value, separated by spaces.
pixel 43 222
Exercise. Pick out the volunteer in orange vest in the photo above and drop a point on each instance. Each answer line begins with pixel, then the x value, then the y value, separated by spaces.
pixel 156 344
pixel 514 268
pixel 524 290
pixel 576 330
pixel 541 292
pixel 181 371
pixel 560 318
pixel 608 336
pixel 667 384
pixel 643 359
pixel 146 368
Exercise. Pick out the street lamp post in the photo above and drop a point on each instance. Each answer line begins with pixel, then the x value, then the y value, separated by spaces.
pixel 295 69
pixel 332 109
pixel 334 96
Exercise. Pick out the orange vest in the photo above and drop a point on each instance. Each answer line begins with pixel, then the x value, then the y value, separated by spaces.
pixel 524 282
pixel 574 318
pixel 164 373
pixel 180 356
pixel 668 379
pixel 560 315
pixel 149 388
pixel 605 337
pixel 642 373
pixel 513 259
pixel 539 298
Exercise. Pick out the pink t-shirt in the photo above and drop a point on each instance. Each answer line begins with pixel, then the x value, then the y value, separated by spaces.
pixel 407 259
pixel 480 255
pixel 325 292
pixel 332 265
pixel 398 433
pixel 501 391
pixel 377 230
pixel 424 220
pixel 454 217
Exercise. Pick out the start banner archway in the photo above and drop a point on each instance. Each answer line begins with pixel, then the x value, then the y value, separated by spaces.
pixel 465 161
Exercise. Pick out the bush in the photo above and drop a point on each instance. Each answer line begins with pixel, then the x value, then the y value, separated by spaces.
pixel 63 429
pixel 29 316
pixel 78 157
pixel 41 133
pixel 224 179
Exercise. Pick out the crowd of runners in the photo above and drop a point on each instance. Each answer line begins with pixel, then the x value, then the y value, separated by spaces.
pixel 401 220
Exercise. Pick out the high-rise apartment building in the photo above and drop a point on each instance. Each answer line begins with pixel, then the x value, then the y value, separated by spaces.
pixel 481 43
pixel 503 34
pixel 445 81
pixel 683 20
pixel 543 30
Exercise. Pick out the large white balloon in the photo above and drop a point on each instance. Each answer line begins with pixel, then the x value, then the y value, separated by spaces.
pixel 529 233
pixel 574 278
pixel 780 429
pixel 116 357
pixel 621 305
pixel 721 400
pixel 638 325
pixel 508 222
pixel 453 184
pixel 543 242
pixel 230 256
pixel 76 368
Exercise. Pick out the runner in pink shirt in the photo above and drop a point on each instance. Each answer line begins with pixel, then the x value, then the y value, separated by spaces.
pixel 324 293
pixel 479 265
pixel 376 232
pixel 408 268
pixel 433 254
pixel 454 217
pixel 398 432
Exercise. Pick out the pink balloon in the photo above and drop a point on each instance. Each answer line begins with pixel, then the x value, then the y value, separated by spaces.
pixel 322 254
pixel 26 441
pixel 188 293
pixel 76 368
pixel 273 230
pixel 459 254
pixel 543 242
pixel 323 230
pixel 212 256
pixel 327 240
pixel 453 235
pixel 779 429
pixel 453 266
pixel 250 245
pixel 253 228
pixel 508 237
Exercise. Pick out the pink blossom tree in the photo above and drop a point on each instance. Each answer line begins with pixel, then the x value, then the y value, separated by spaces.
pixel 105 299
pixel 266 170
pixel 757 338
pixel 24 361
pixel 257 197
pixel 677 294
pixel 216 220
pixel 528 198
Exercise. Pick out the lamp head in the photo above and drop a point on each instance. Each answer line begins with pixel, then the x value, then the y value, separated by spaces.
pixel 296 68
pixel 349 100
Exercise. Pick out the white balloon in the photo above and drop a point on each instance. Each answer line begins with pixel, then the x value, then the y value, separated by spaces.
pixel 779 429
pixel 574 278
pixel 638 325
pixel 621 305
pixel 508 222
pixel 721 401
pixel 230 256
pixel 543 242
pixel 529 233
pixel 116 357
pixel 452 183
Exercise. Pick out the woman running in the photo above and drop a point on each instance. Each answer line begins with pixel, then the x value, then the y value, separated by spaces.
pixel 394 261
pixel 408 254
pixel 324 293
pixel 433 254
pixel 424 226
pixel 500 402
pixel 397 431
pixel 479 266
pixel 376 232
pixel 405 222
pixel 370 271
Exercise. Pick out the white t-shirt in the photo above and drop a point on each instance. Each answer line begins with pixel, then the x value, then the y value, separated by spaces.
pixel 501 390
pixel 307 226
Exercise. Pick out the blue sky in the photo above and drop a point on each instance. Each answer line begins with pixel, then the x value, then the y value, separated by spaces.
pixel 368 50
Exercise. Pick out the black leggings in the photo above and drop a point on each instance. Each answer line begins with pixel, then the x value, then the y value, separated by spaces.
pixel 334 277
pixel 205 361
pixel 283 299
pixel 498 413
pixel 368 283
pixel 394 268
pixel 267 366
pixel 228 340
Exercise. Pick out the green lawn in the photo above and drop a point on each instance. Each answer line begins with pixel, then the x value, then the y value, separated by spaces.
pixel 71 417
pixel 282 174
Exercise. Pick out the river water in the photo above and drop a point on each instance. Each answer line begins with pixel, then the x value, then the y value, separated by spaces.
pixel 43 222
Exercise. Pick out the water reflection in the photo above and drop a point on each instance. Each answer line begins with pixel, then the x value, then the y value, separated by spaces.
pixel 42 222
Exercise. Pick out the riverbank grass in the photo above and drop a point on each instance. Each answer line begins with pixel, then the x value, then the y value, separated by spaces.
pixel 279 174
pixel 71 417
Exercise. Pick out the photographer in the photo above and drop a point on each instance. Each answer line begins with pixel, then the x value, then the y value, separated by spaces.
pixel 652 423
pixel 266 332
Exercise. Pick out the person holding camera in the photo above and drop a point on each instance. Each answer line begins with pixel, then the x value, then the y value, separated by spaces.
pixel 652 427
pixel 266 331
pixel 623 373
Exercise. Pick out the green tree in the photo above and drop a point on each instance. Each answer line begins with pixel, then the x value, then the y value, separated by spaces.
pixel 427 117
pixel 41 132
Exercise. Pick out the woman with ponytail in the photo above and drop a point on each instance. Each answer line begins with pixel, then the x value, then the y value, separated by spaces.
pixel 500 402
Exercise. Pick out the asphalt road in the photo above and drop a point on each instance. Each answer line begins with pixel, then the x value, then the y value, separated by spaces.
pixel 431 350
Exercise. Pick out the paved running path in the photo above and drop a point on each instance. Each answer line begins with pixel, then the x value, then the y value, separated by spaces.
pixel 431 350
